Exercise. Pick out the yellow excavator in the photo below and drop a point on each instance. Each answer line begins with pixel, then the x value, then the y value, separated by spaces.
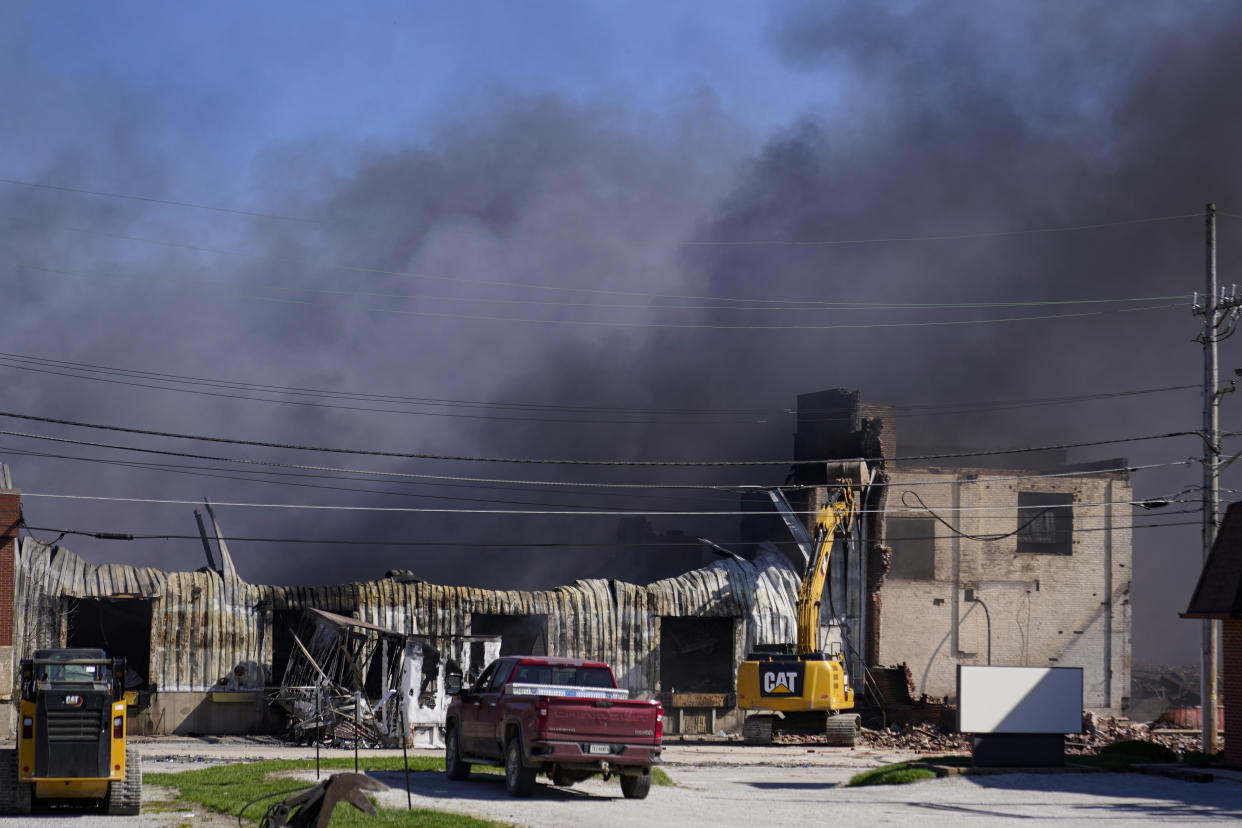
pixel 802 688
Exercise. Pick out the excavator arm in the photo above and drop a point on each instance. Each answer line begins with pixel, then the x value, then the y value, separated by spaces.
pixel 835 516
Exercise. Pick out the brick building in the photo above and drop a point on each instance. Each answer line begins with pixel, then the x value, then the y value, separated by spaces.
pixel 1219 595
pixel 1018 566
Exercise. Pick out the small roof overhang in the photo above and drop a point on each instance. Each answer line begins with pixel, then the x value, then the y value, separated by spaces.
pixel 1219 592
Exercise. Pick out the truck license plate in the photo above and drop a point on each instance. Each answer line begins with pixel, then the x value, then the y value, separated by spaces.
pixel 599 749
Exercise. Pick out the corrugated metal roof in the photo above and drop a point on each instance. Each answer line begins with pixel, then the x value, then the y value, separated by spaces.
pixel 207 627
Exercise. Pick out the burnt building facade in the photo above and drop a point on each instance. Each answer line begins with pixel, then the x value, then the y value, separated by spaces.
pixel 206 649
pixel 1019 564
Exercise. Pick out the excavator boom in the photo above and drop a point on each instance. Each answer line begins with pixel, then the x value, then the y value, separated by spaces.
pixel 835 516
pixel 805 688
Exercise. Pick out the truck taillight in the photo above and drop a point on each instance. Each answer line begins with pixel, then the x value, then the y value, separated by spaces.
pixel 27 727
pixel 541 718
pixel 659 728
pixel 118 727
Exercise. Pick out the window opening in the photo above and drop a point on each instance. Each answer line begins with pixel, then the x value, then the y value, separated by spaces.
pixel 1047 523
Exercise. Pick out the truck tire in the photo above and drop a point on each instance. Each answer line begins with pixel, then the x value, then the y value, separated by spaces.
pixel 519 779
pixel 636 786
pixel 757 730
pixel 842 729
pixel 125 796
pixel 454 767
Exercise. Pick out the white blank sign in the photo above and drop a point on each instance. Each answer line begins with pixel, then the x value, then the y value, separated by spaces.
pixel 1019 699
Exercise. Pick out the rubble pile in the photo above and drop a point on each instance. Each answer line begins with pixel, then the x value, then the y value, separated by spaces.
pixel 919 738
pixel 1099 731
pixel 342 681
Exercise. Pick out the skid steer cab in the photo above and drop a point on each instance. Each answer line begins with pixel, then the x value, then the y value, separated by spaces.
pixel 71 736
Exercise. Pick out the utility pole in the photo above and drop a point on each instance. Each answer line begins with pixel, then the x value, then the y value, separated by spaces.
pixel 1218 310
pixel 1211 493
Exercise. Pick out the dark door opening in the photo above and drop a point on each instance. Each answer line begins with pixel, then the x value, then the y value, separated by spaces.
pixel 284 624
pixel 696 654
pixel 121 627
pixel 519 634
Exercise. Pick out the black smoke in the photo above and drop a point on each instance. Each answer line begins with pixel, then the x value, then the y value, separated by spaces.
pixel 579 264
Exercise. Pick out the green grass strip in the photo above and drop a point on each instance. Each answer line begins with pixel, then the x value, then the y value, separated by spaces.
pixel 901 773
pixel 227 788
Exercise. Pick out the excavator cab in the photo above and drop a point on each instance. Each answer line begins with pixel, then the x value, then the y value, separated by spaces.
pixel 71 738
pixel 799 687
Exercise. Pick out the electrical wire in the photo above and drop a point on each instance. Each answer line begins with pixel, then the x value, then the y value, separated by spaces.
pixel 741 304
pixel 304 220
pixel 619 323
pixel 567 462
pixel 953 237
pixel 744 415
pixel 150 200
pixel 688 544
pixel 958 532
pixel 336 507
pixel 456 498
pixel 492 283
pixel 507 483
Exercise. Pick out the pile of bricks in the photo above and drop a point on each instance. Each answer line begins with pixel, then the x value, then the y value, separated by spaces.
pixel 1099 731
pixel 919 738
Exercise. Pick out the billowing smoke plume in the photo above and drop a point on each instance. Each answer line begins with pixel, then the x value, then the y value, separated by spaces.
pixel 581 266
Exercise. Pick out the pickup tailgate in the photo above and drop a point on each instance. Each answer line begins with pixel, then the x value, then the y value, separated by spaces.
pixel 590 715
pixel 602 720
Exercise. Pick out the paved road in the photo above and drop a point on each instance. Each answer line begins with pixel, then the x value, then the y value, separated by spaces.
pixel 731 785
pixel 748 796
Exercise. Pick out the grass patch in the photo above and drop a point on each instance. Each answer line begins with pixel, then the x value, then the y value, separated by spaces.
pixel 1119 763
pixel 1140 751
pixel 227 788
pixel 1199 759
pixel 901 773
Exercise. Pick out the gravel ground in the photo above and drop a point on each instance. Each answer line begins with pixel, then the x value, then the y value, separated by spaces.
pixel 721 784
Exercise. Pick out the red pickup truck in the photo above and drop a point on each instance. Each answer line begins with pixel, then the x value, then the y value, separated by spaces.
pixel 563 717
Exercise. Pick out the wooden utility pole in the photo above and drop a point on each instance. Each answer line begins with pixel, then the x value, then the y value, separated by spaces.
pixel 1211 493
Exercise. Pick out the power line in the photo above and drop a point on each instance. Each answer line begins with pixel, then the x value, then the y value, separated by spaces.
pixel 492 283
pixel 598 323
pixel 569 462
pixel 953 237
pixel 40 365
pixel 784 305
pixel 473 482
pixel 208 472
pixel 303 220
pixel 336 507
pixel 742 304
pixel 150 200
pixel 688 544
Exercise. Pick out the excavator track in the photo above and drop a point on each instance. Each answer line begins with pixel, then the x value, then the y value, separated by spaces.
pixel 843 729
pixel 757 730
pixel 14 795
pixel 125 796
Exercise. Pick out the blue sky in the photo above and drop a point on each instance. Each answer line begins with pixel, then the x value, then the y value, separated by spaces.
pixel 218 83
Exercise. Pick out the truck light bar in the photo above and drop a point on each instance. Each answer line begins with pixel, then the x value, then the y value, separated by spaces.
pixel 567 691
